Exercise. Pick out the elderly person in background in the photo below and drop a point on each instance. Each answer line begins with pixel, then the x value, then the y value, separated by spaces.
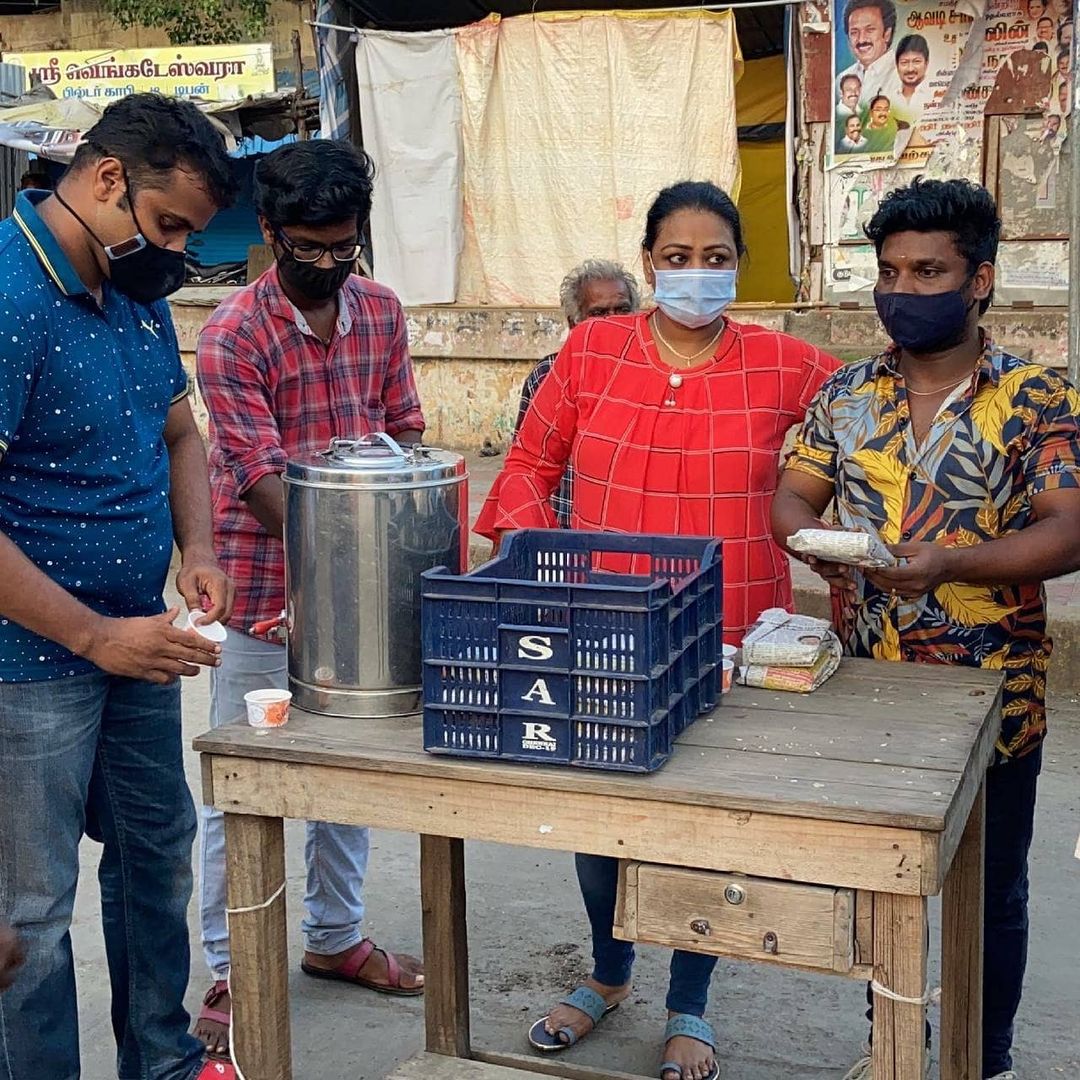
pixel 590 291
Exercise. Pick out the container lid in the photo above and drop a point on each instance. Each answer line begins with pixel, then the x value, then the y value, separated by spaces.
pixel 374 460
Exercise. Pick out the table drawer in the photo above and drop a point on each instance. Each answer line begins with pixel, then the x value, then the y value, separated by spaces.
pixel 782 922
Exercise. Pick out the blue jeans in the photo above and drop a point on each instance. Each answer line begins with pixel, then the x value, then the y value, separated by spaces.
pixel 101 755
pixel 336 855
pixel 688 988
pixel 1010 827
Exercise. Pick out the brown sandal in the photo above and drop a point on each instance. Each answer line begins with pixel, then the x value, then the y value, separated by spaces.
pixel 210 1012
pixel 349 971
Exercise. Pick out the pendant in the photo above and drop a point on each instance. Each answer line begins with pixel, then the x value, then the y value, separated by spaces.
pixel 674 381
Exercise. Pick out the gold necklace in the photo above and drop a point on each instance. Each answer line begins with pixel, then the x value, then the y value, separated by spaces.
pixel 939 390
pixel 683 356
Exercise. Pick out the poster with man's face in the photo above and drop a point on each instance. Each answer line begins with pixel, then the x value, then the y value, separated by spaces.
pixel 894 60
pixel 896 63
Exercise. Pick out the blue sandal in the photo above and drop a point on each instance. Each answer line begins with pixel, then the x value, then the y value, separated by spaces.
pixel 693 1027
pixel 584 1000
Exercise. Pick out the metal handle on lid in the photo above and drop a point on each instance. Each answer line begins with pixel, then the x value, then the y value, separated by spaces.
pixel 354 448
pixel 388 440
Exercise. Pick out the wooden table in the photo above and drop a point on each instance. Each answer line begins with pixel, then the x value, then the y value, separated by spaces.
pixel 870 789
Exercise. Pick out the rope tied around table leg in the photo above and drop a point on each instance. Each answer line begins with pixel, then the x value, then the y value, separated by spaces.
pixel 228 981
pixel 257 907
pixel 928 995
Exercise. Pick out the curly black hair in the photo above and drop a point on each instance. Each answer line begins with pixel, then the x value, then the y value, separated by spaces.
pixel 961 208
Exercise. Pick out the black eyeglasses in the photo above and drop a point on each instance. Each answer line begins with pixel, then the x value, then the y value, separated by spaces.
pixel 305 252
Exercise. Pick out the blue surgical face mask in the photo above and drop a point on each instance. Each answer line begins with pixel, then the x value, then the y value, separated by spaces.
pixel 694 298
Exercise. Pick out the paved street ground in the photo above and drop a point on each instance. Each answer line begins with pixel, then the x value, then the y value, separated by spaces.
pixel 529 945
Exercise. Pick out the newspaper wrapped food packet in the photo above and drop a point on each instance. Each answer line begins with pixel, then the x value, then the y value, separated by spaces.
pixel 842 546
pixel 782 651
pixel 780 639
pixel 800 680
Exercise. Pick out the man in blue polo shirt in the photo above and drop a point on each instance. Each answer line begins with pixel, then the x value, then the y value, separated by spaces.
pixel 101 467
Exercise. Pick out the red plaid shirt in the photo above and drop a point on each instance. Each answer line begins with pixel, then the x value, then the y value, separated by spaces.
pixel 274 391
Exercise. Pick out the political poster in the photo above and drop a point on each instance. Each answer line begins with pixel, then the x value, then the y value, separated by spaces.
pixel 910 76
pixel 1027 64
pixel 895 62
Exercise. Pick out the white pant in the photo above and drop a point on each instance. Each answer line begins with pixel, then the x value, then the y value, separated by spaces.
pixel 336 855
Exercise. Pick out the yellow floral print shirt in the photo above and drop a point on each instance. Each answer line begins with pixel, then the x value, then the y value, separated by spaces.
pixel 1010 434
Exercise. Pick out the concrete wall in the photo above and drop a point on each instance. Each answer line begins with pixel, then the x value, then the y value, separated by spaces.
pixel 470 362
pixel 82 24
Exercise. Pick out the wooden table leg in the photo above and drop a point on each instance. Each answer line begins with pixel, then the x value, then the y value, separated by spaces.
pixel 962 953
pixel 446 946
pixel 899 965
pixel 259 975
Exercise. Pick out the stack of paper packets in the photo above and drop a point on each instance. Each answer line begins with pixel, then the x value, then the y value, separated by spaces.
pixel 782 651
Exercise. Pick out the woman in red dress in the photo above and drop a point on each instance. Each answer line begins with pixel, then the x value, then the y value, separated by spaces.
pixel 674 420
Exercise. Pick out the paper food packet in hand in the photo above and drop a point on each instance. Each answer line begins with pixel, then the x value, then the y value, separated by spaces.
pixel 842 546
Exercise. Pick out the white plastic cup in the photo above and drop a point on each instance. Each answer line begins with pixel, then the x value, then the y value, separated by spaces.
pixel 267 708
pixel 729 675
pixel 212 631
pixel 729 652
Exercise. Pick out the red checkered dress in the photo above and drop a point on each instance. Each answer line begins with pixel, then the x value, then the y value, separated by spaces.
pixel 705 466
pixel 273 391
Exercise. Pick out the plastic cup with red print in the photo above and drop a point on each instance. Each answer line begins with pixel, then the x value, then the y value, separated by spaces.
pixel 267 708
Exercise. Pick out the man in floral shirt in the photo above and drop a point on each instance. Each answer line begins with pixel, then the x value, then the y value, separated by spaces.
pixel 966 461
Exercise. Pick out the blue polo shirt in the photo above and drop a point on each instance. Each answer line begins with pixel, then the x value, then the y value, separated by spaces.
pixel 84 473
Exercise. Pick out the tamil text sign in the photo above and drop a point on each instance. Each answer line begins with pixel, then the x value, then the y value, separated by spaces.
pixel 212 72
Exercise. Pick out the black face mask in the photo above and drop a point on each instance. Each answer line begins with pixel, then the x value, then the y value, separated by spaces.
pixel 138 268
pixel 310 280
pixel 924 323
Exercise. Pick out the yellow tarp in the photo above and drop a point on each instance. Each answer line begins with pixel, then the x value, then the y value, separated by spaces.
pixel 761 97
pixel 763 203
pixel 571 124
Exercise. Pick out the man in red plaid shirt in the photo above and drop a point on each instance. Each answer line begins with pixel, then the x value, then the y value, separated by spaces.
pixel 308 353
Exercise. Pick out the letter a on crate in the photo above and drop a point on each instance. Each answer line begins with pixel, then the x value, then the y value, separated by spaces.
pixel 539 692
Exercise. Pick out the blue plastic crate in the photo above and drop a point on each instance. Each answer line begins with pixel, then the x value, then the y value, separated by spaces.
pixel 577 648
pixel 512 736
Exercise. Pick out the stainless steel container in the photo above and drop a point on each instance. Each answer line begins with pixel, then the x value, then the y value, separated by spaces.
pixel 363 520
